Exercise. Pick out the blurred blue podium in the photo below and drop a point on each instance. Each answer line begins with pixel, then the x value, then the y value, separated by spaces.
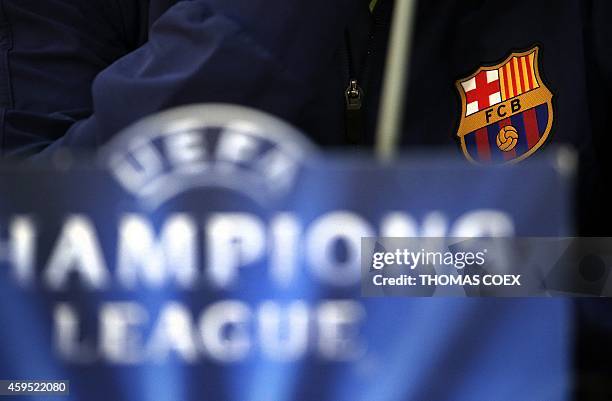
pixel 215 255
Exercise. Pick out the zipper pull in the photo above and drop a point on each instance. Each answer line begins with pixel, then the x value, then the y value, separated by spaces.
pixel 354 96
pixel 354 118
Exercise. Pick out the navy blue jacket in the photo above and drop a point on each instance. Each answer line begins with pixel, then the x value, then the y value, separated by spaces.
pixel 74 72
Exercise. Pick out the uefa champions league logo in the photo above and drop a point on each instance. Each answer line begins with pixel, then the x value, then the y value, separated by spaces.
pixel 207 146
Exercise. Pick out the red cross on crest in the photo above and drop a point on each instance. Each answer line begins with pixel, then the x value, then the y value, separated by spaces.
pixel 483 90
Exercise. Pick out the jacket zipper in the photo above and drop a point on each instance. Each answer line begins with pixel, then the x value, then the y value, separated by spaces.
pixel 357 81
pixel 354 100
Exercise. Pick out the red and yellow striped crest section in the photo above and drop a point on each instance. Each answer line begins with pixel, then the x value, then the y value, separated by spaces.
pixel 517 76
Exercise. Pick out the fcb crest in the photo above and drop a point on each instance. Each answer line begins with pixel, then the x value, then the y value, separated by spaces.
pixel 506 110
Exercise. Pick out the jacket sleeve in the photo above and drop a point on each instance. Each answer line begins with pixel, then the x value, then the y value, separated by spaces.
pixel 258 53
